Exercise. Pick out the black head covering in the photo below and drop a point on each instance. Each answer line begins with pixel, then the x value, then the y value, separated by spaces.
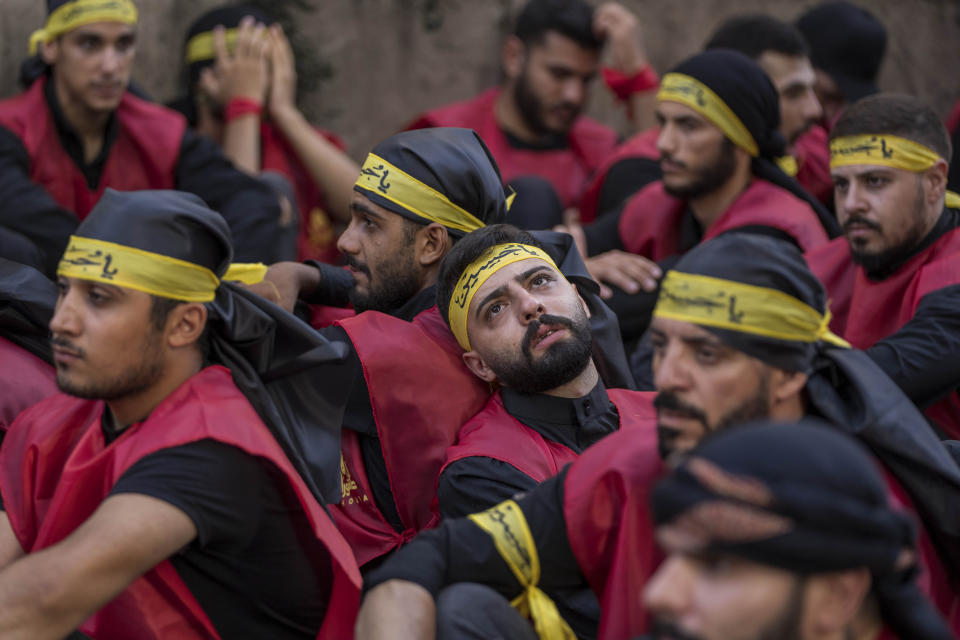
pixel 761 261
pixel 453 161
pixel 810 500
pixel 277 361
pixel 27 300
pixel 748 91
pixel 848 43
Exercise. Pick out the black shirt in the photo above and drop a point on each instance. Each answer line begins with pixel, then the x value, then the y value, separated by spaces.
pixel 249 206
pixel 475 483
pixel 460 551
pixel 923 356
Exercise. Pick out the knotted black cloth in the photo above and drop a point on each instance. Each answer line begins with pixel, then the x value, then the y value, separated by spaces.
pixel 750 94
pixel 27 300
pixel 277 361
pixel 806 499
pixel 453 161
pixel 844 386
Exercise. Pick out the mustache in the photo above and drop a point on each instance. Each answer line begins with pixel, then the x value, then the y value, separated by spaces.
pixel 668 158
pixel 862 221
pixel 669 401
pixel 356 264
pixel 535 325
pixel 66 345
pixel 661 630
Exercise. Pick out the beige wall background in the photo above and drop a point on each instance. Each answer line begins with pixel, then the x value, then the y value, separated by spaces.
pixel 388 60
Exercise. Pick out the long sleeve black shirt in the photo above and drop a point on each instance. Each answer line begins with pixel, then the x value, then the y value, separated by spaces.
pixel 249 207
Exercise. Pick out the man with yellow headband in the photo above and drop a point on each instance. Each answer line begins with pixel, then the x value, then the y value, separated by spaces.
pixel 78 130
pixel 894 280
pixel 150 499
pixel 718 142
pixel 419 192
pixel 740 331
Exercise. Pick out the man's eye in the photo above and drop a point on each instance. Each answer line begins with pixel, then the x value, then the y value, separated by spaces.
pixel 707 355
pixel 540 279
pixel 876 181
pixel 494 309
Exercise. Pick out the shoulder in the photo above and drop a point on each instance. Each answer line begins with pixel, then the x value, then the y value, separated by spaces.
pixel 462 113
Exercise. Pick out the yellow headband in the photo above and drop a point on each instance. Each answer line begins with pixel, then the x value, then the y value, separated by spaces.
pixel 473 277
pixel 745 308
pixel 201 46
pixel 678 87
pixel 387 181
pixel 80 12
pixel 152 273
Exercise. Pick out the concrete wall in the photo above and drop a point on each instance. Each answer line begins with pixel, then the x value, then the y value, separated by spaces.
pixel 390 59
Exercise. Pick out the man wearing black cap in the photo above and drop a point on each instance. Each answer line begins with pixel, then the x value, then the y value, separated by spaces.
pixel 533 123
pixel 780 50
pixel 894 280
pixel 718 142
pixel 27 299
pixel 783 533
pixel 740 333
pixel 847 44
pixel 150 499
pixel 78 130
pixel 241 93
pixel 418 192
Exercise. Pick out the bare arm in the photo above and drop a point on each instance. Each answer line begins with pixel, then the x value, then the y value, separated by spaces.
pixel 621 28
pixel 10 549
pixel 49 593
pixel 330 168
pixel 397 610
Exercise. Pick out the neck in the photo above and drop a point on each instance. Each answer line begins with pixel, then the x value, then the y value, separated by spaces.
pixel 136 407
pixel 579 386
pixel 510 119
pixel 89 125
pixel 710 206
pixel 207 124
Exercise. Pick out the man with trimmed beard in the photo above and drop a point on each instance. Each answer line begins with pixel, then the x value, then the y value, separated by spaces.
pixel 524 329
pixel 894 280
pixel 740 333
pixel 532 123
pixel 718 141
pixel 78 130
pixel 418 193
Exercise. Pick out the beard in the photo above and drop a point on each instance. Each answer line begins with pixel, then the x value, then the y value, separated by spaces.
pixel 786 626
pixel 878 263
pixel 114 384
pixel 709 178
pixel 397 281
pixel 559 364
pixel 755 407
pixel 531 108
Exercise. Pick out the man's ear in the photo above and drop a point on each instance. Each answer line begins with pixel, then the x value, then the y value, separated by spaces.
pixel 786 384
pixel 833 600
pixel 49 51
pixel 185 324
pixel 478 366
pixel 433 242
pixel 512 57
pixel 935 181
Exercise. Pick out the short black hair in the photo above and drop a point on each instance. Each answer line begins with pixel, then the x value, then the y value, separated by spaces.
pixel 896 115
pixel 470 247
pixel 570 18
pixel 752 34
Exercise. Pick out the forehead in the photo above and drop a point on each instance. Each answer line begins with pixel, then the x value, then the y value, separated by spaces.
pixel 785 70
pixel 682 330
pixel 105 30
pixel 510 273
pixel 853 171
pixel 669 110
pixel 556 48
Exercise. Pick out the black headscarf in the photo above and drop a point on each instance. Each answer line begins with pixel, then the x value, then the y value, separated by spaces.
pixel 277 361
pixel 27 300
pixel 452 161
pixel 748 91
pixel 806 499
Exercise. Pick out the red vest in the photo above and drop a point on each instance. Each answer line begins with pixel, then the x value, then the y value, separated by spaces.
pixel 641 145
pixel 318 238
pixel 650 223
pixel 25 380
pixel 566 169
pixel 812 152
pixel 494 433
pixel 55 462
pixel 143 156
pixel 608 523
pixel 866 311
pixel 421 394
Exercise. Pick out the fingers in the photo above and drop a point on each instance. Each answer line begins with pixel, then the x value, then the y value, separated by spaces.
pixel 220 45
pixel 627 271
